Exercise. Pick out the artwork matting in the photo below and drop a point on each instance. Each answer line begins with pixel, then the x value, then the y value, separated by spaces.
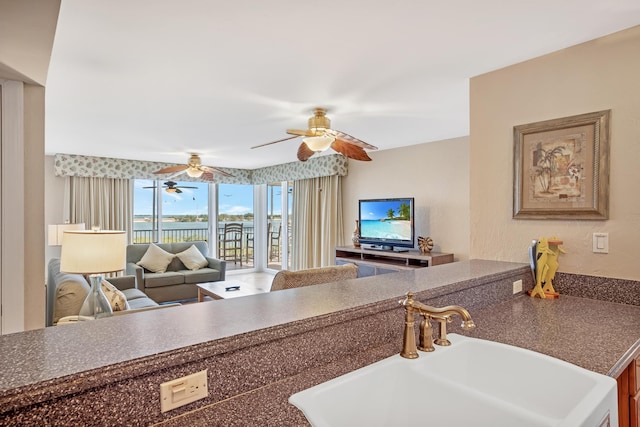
pixel 561 168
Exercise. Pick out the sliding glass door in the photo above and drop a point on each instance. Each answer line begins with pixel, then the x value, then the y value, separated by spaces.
pixel 278 244
pixel 168 211
pixel 235 226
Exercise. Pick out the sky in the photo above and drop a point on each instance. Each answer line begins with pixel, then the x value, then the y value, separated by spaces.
pixel 374 210
pixel 233 199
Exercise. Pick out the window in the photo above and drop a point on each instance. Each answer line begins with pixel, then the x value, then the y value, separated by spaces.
pixel 279 224
pixel 235 205
pixel 168 211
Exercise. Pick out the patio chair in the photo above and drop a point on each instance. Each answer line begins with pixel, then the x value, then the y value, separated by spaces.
pixel 231 243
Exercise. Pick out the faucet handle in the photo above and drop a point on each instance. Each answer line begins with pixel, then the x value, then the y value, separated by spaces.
pixel 426 334
pixel 407 300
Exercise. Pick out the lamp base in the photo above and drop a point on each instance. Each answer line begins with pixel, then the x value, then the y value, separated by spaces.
pixel 96 304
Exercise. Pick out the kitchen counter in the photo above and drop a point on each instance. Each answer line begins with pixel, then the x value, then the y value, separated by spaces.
pixel 597 335
pixel 258 350
pixel 600 336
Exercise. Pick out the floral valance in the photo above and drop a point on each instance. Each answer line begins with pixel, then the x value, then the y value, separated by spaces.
pixel 105 167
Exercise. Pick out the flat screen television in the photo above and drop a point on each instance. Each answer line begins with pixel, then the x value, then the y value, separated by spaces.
pixel 387 224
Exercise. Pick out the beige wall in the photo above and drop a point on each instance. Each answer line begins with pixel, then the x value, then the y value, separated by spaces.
pixel 598 75
pixel 27 30
pixel 34 274
pixel 436 174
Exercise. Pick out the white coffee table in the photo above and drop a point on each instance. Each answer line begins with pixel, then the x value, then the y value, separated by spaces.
pixel 218 290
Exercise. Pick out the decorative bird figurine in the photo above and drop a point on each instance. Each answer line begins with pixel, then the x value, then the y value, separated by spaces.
pixel 425 244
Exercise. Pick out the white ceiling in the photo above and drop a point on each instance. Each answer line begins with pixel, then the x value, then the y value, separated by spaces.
pixel 158 79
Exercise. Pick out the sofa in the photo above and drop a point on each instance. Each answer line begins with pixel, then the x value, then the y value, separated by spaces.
pixel 176 282
pixel 66 292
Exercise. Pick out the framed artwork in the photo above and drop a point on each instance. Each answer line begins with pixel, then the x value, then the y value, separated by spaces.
pixel 561 168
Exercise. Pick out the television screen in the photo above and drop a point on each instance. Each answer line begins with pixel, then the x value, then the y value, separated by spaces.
pixel 386 223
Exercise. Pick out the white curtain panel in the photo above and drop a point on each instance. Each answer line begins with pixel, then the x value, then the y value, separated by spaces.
pixel 106 203
pixel 317 221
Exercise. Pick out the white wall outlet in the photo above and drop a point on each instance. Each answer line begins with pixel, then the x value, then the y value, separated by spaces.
pixel 517 286
pixel 181 391
pixel 601 243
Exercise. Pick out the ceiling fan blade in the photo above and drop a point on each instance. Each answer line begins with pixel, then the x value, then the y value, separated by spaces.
pixel 213 170
pixel 275 142
pixel 177 190
pixel 352 140
pixel 184 186
pixel 304 152
pixel 300 132
pixel 350 150
pixel 171 169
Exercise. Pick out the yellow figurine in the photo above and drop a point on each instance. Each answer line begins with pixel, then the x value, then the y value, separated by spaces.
pixel 547 252
pixel 552 262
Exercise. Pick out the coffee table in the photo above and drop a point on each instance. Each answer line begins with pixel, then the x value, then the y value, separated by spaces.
pixel 218 290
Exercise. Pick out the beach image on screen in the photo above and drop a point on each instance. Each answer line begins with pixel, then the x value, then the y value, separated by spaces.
pixel 385 219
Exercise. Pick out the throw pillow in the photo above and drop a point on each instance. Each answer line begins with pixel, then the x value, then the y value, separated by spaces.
pixel 192 258
pixel 156 259
pixel 71 292
pixel 116 298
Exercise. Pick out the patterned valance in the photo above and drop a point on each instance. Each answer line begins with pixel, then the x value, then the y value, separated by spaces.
pixel 105 167
pixel 333 164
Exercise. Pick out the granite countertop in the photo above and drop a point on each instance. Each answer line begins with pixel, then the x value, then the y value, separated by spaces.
pixel 53 353
pixel 600 336
pixel 597 335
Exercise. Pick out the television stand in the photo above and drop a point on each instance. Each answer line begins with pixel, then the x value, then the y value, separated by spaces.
pixel 372 262
pixel 385 248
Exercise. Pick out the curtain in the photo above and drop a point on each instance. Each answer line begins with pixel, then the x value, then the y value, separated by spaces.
pixel 317 222
pixel 100 202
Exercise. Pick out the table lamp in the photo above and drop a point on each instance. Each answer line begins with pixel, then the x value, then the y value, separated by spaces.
pixel 93 252
pixel 56 231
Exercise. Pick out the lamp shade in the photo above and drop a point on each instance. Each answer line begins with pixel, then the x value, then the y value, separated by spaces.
pixel 93 252
pixel 194 172
pixel 319 143
pixel 56 231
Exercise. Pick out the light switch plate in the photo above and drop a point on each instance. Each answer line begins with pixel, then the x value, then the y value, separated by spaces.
pixel 601 243
pixel 182 391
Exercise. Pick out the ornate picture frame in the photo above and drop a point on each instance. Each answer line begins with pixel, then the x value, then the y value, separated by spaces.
pixel 561 168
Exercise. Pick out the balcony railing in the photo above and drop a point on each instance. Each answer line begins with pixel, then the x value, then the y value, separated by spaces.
pixel 170 236
pixel 184 235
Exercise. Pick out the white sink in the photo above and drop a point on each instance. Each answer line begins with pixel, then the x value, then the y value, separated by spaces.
pixel 472 382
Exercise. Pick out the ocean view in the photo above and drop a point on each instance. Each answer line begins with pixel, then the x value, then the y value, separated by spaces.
pixel 389 229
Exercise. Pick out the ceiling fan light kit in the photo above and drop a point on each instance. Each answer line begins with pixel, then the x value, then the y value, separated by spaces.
pixel 319 137
pixel 194 169
pixel 319 143
pixel 194 173
pixel 171 187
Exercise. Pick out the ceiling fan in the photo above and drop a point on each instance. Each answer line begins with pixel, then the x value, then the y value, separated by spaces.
pixel 194 169
pixel 319 137
pixel 172 187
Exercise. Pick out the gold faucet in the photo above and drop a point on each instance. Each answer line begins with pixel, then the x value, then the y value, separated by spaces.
pixel 441 315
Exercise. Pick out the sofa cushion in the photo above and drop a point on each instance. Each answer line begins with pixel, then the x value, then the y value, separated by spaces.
pixel 200 276
pixel 192 258
pixel 155 280
pixel 133 294
pixel 116 298
pixel 71 291
pixel 156 259
pixel 142 303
